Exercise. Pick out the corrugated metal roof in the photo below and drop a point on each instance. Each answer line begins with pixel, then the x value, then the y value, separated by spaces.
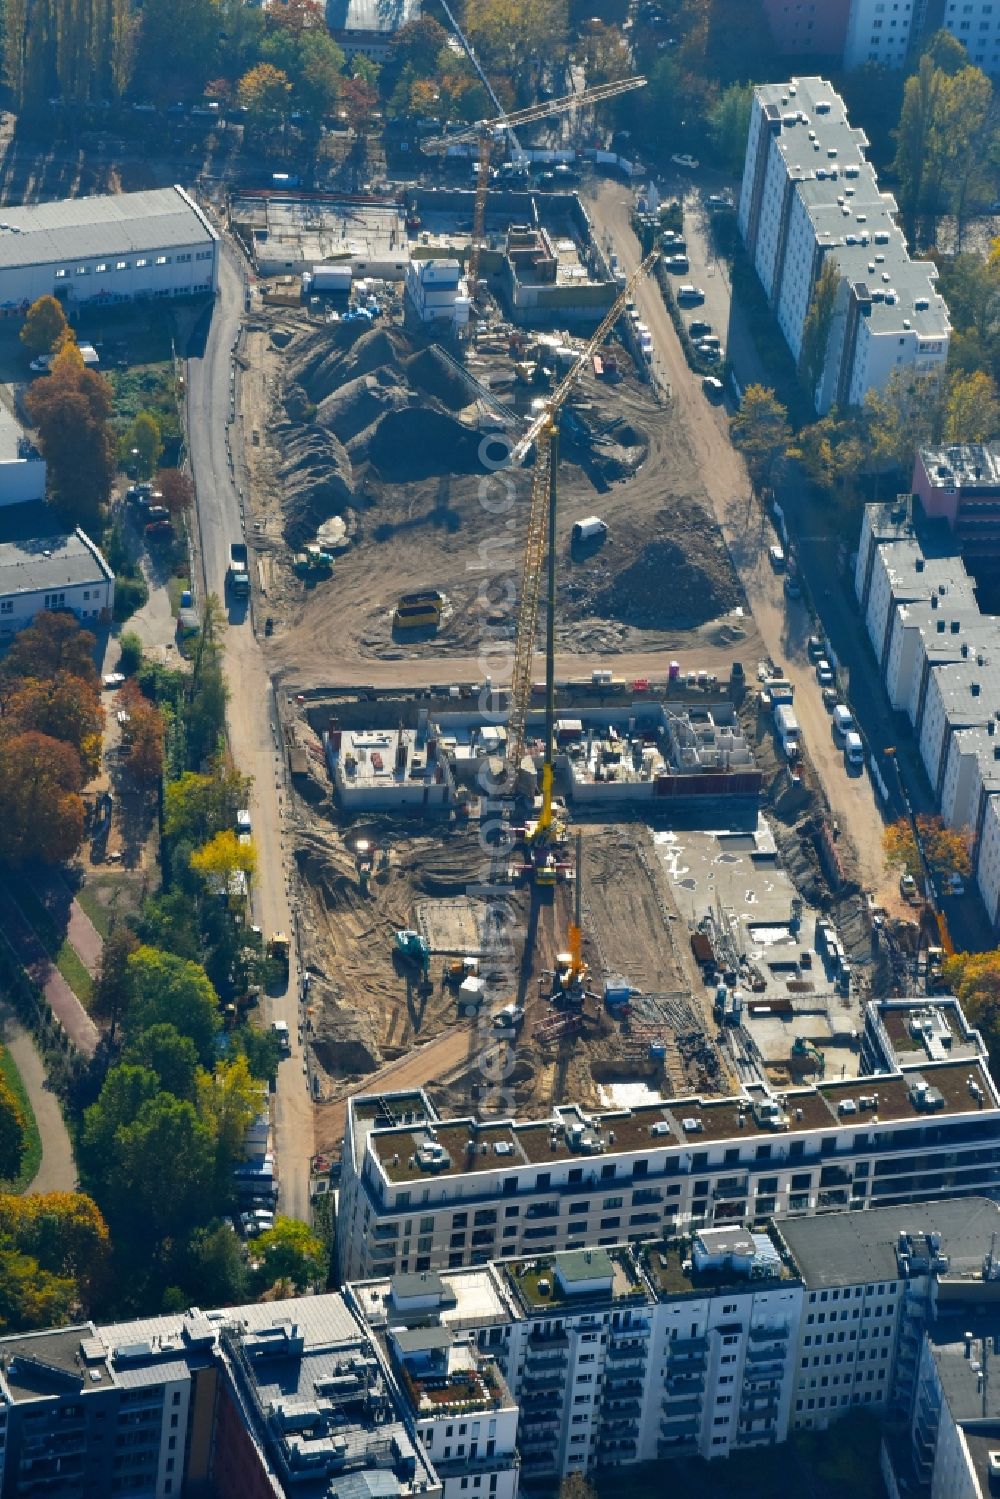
pixel 385 16
pixel 80 228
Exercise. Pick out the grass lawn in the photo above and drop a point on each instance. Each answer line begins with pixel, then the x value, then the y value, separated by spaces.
pixel 175 587
pixel 32 1158
pixel 107 899
pixel 59 948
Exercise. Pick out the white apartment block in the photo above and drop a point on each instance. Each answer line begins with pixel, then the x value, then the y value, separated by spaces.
pixel 890 33
pixel 419 1192
pixel 976 24
pixel 879 31
pixel 940 664
pixel 808 193
pixel 63 572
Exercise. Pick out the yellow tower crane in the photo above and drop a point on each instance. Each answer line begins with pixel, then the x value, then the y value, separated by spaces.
pixel 485 132
pixel 543 433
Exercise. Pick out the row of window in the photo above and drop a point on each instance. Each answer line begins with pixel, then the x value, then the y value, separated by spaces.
pixel 103 266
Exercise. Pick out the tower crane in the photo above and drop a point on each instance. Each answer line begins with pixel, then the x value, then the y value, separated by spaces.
pixel 485 131
pixel 543 433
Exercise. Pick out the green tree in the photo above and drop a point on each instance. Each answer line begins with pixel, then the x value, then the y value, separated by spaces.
pixel 519 38
pixel 165 1168
pixel 179 45
pixel 197 806
pixel 144 442
pixel 914 135
pixel 125 1090
pixel 418 45
pixel 972 412
pixel 29 1296
pixel 172 1057
pixel 816 328
pixel 64 1231
pixel 761 432
pixel 112 993
pixel 290 1252
pixel 217 1266
pixel 44 327
pixel 729 125
pixel 228 1101
pixel 172 990
pixel 974 978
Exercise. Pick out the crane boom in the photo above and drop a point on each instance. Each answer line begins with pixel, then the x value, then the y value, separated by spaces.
pixel 541 433
pixel 545 110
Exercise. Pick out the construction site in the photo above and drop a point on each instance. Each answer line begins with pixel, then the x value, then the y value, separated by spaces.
pixel 458 453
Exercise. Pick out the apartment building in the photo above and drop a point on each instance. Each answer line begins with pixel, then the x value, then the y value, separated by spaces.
pixel 960 485
pixel 419 1192
pixel 886 33
pixel 808 195
pixel 249 1403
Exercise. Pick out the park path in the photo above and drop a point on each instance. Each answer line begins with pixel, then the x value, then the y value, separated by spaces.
pixel 57 1172
pixel 32 956
pixel 54 893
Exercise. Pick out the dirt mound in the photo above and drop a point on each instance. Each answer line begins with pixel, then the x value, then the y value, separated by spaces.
pixel 429 372
pixel 672 583
pixel 317 480
pixel 416 444
pixel 376 349
pixel 360 403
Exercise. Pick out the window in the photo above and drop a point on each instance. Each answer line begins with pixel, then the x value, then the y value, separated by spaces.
pixel 162 260
pixel 121 265
pixel 81 270
pixel 6 606
pixel 102 265
pixel 142 261
pixel 60 275
pixel 610 1203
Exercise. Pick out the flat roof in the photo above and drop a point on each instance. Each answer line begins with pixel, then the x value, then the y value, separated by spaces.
pixel 687 1122
pixel 81 228
pixel 386 16
pixel 969 466
pixel 48 562
pixel 838 1249
pixel 39 1365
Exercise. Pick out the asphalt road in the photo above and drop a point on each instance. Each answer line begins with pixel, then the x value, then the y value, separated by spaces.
pixel 213 393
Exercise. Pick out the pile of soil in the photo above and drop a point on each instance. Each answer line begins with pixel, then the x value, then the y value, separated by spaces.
pixel 670 583
pixel 362 403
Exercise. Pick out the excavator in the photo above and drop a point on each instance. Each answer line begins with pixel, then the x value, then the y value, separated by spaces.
pixel 802 1048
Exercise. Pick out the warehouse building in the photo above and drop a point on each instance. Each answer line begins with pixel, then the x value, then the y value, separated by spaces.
pixel 54 572
pixel 22 467
pixel 111 249
pixel 810 197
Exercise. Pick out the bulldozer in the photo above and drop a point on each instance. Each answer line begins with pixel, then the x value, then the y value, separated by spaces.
pixel 313 562
pixel 414 950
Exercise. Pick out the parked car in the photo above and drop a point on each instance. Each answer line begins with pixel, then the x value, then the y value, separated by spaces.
pixel 711 352
pixel 829 698
pixel 715 201
pixel 690 294
pixel 843 719
pixel 683 159
pixel 677 265
pixel 776 556
pixel 713 388
pixel 793 589
pixel 907 886
pixel 824 672
pixel 698 328
pixel 953 884
pixel 113 679
pixel 814 648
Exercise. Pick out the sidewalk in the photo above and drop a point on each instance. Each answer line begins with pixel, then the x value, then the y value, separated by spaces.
pixel 32 956
pixel 57 1173
pixel 57 898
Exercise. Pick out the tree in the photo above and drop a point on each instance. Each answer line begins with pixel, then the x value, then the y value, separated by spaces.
pixel 125 1089
pixel 144 441
pixel 222 857
pixel 11 1132
pixel 761 432
pixel 418 45
pixel 729 124
pixel 165 1168
pixel 228 1101
pixel 29 1297
pixel 913 137
pixel 521 38
pixel 318 80
pixel 52 643
pixel 297 16
pixel 906 414
pixel 972 412
pixel 41 810
pixel 65 707
pixel 945 850
pixel 263 92
pixel 974 979
pixel 144 740
pixel 290 1251
pixel 71 409
pixel 577 1486
pixel 172 1057
pixel 179 45
pixel 196 806
pixel 900 847
pixel 112 993
pixel 64 1231
pixel 175 991
pixel 177 490
pixel 218 1267
pixel 943 130
pixel 816 328
pixel 606 54
pixel 44 327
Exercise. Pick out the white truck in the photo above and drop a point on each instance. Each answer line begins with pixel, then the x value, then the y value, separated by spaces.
pixel 787 727
pixel 280 1029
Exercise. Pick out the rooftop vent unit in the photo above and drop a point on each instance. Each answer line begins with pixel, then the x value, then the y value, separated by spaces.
pixel 822 106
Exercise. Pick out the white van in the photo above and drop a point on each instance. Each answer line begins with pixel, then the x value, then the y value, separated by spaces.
pixel 854 750
pixel 843 721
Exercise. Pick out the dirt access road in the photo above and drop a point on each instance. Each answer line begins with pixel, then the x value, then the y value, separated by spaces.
pixel 253 733
pixel 784 626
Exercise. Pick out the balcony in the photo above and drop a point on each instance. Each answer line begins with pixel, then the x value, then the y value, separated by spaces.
pixel 684 1386
pixel 634 1349
pixel 625 1448
pixel 769 1334
pixel 683 1447
pixel 737 1186
pixel 687 1345
pixel 680 1408
pixel 622 1411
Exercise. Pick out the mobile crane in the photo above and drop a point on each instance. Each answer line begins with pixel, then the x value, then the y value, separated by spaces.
pixel 485 132
pixel 545 836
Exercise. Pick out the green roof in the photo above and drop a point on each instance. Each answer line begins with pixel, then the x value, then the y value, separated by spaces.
pixel 583 1265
